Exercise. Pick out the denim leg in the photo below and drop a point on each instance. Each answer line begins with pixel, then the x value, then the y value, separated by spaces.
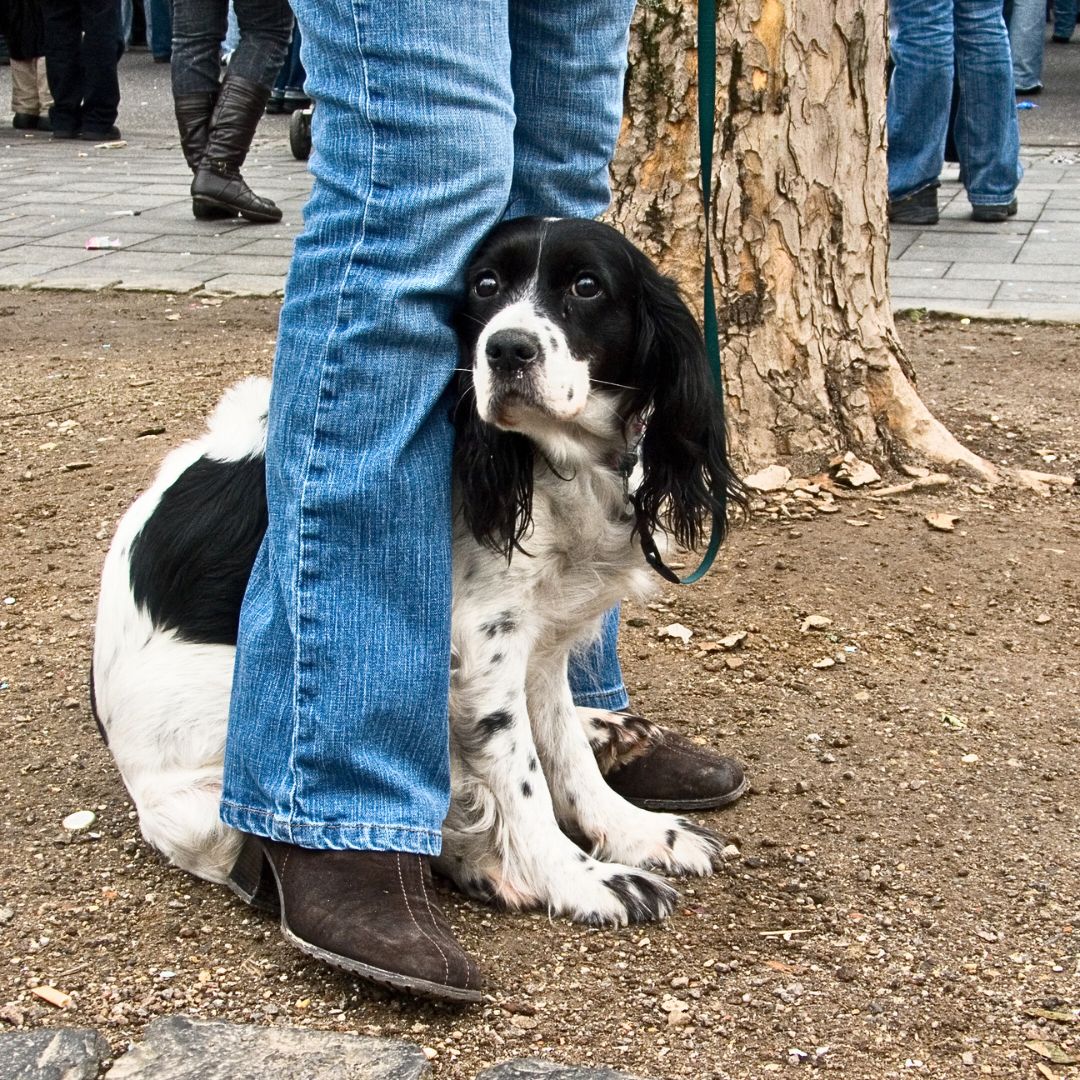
pixel 159 27
pixel 338 734
pixel 265 31
pixel 1026 35
pixel 197 29
pixel 920 93
pixel 1064 18
pixel 986 130
pixel 596 679
pixel 568 65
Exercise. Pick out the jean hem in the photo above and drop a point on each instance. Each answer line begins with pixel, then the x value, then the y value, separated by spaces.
pixel 332 836
pixel 612 700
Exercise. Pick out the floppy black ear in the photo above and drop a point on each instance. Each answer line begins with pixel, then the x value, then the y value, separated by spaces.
pixel 687 477
pixel 494 471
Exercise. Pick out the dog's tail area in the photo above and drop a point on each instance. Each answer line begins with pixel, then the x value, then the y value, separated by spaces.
pixel 236 429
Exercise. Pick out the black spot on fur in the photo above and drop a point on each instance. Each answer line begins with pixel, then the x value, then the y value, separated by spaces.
pixel 191 561
pixel 503 623
pixel 597 722
pixel 533 764
pixel 497 658
pixel 526 789
pixel 671 835
pixel 570 394
pixel 644 900
pixel 582 857
pixel 494 722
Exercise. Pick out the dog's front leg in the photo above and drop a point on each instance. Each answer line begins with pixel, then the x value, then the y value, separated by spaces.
pixel 584 803
pixel 501 840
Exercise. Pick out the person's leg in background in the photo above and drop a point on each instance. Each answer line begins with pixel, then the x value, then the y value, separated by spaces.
pixel 917 108
pixel 159 29
pixel 338 739
pixel 265 26
pixel 986 130
pixel 198 27
pixel 1026 36
pixel 1065 12
pixel 568 66
pixel 102 47
pixel 63 36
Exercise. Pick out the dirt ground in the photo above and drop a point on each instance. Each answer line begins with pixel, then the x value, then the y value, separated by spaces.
pixel 906 898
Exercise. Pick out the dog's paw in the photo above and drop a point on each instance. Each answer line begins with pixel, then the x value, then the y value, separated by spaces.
pixel 666 843
pixel 606 894
pixel 617 738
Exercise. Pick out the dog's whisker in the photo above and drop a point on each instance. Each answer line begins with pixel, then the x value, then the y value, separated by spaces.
pixel 618 386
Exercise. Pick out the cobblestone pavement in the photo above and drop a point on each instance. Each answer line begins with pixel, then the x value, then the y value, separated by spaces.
pixel 55 197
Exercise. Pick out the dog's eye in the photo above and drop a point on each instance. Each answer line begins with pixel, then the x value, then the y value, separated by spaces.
pixel 586 287
pixel 486 285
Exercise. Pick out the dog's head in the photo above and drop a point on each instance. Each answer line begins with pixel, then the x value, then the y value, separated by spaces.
pixel 571 339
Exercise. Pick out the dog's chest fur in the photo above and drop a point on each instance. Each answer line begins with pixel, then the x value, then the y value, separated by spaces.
pixel 579 559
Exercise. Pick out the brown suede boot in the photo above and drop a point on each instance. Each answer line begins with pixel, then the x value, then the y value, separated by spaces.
pixel 371 913
pixel 676 774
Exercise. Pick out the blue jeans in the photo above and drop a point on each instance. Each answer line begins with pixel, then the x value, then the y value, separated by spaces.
pixel 159 27
pixel 1027 39
pixel 1064 18
pixel 930 40
pixel 433 121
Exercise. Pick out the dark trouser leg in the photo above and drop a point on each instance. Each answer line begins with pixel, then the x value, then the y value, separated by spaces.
pixel 63 32
pixel 101 50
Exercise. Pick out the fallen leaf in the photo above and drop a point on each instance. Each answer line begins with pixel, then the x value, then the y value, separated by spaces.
pixel 1051 1052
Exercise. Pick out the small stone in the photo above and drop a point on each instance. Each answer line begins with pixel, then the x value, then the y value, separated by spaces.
pixel 942 522
pixel 801 787
pixel 733 641
pixel 80 820
pixel 772 478
pixel 814 622
pixel 679 981
pixel 970 759
pixel 730 852
pixel 850 470
pixel 6 915
pixel 1041 619
pixel 676 630
pixel 825 662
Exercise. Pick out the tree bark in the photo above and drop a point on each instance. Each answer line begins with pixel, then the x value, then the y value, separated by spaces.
pixel 812 363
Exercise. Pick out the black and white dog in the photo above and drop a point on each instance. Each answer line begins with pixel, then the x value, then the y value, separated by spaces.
pixel 582 361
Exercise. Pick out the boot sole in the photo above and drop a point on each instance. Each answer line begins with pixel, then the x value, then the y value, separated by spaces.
pixel 253 887
pixel 713 803
pixel 247 215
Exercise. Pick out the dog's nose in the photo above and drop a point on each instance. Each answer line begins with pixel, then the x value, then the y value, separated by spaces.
pixel 511 350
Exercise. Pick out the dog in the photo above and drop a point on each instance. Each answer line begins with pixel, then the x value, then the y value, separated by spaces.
pixel 586 425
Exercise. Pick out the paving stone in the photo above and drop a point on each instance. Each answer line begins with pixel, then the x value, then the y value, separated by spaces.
pixel 246 285
pixel 536 1069
pixel 52 1054
pixel 242 264
pixel 944 288
pixel 911 268
pixel 170 283
pixel 80 279
pixel 1016 271
pixel 177 1048
pixel 18 275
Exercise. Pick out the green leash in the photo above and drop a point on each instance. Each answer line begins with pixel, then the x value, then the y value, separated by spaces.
pixel 706 130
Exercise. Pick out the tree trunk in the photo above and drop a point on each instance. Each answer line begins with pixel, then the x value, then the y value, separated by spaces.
pixel 812 364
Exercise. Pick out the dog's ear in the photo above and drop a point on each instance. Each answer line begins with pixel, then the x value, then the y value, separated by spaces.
pixel 686 475
pixel 494 471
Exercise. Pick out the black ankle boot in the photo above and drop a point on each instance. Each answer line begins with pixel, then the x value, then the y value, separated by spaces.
pixel 218 182
pixel 193 112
